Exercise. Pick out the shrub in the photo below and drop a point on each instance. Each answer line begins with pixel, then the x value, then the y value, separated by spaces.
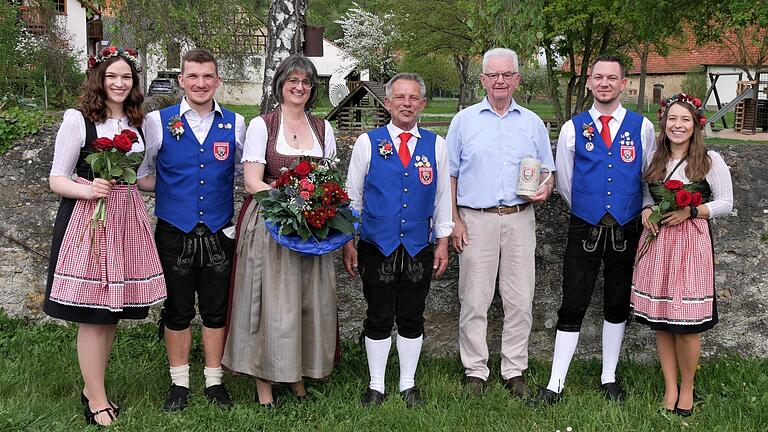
pixel 17 123
pixel 695 83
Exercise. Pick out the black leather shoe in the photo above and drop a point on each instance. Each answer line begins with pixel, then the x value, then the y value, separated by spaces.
pixel 545 396
pixel 412 397
pixel 178 398
pixel 613 392
pixel 518 387
pixel 474 385
pixel 683 412
pixel 372 397
pixel 219 395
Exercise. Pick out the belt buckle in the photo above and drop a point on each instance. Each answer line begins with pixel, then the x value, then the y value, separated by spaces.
pixel 498 210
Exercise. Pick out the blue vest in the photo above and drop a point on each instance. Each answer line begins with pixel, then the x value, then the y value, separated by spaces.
pixel 608 180
pixel 194 180
pixel 398 202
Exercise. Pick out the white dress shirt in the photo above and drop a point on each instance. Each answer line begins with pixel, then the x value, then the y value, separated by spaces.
pixel 566 150
pixel 200 125
pixel 361 160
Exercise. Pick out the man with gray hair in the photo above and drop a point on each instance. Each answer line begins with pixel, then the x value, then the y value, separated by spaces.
pixel 398 180
pixel 495 228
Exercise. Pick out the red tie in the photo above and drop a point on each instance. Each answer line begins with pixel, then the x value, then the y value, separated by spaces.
pixel 606 131
pixel 402 151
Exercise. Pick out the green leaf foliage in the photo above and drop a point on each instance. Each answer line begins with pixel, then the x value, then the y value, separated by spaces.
pixel 16 123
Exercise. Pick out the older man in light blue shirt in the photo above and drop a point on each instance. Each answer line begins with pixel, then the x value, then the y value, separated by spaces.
pixel 495 228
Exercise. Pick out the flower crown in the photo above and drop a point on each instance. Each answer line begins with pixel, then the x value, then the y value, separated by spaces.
pixel 684 98
pixel 128 54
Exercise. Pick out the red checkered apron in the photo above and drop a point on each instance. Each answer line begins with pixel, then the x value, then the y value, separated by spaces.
pixel 115 266
pixel 673 281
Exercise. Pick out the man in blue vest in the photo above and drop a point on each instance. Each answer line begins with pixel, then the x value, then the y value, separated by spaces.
pixel 398 179
pixel 193 149
pixel 602 155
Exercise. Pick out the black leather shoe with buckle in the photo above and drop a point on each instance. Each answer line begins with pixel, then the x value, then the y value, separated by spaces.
pixel 178 398
pixel 412 397
pixel 545 396
pixel 372 397
pixel 613 392
pixel 219 395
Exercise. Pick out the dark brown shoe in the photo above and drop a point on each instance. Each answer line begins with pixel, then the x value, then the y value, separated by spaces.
pixel 474 385
pixel 518 387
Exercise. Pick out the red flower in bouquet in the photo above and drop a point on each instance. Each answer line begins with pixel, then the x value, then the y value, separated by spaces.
pixel 682 198
pixel 696 199
pixel 122 143
pixel 102 143
pixel 303 168
pixel 673 185
pixel 308 200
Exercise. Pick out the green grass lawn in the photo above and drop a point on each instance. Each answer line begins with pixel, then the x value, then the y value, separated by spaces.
pixel 40 387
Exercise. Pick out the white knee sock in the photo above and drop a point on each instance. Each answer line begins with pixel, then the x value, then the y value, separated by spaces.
pixel 180 375
pixel 613 335
pixel 565 346
pixel 408 351
pixel 377 352
pixel 213 376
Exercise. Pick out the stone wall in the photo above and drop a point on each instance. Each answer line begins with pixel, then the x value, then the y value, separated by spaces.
pixel 27 209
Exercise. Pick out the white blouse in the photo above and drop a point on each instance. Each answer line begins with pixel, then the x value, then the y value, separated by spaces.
pixel 255 147
pixel 71 139
pixel 719 179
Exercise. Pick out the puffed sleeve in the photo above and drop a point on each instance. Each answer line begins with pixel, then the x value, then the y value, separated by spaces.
pixel 255 147
pixel 69 140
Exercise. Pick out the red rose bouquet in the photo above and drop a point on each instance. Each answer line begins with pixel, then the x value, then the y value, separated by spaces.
pixel 112 160
pixel 674 196
pixel 309 201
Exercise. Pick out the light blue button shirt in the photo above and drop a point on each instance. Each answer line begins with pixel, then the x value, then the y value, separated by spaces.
pixel 485 150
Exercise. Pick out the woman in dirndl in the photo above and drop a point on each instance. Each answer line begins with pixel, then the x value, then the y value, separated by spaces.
pixel 673 289
pixel 98 276
pixel 282 324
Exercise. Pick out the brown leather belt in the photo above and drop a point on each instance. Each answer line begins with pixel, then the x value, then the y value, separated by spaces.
pixel 502 210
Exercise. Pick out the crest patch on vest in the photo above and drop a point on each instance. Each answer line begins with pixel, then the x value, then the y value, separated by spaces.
pixel 221 150
pixel 425 175
pixel 628 153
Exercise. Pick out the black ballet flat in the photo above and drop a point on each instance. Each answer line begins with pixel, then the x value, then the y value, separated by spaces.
pixel 683 412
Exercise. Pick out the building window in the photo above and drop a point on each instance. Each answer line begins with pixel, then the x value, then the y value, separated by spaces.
pixel 61 6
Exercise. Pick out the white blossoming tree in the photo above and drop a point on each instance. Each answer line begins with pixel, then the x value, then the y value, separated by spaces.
pixel 370 39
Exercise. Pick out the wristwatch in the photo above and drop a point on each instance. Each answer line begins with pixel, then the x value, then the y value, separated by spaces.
pixel 694 212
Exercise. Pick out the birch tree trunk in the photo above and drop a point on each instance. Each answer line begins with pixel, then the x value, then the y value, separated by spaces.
pixel 285 30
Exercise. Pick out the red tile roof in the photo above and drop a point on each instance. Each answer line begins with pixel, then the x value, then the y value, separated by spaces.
pixel 684 56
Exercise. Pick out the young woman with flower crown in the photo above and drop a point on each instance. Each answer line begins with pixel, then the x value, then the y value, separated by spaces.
pixel 673 289
pixel 99 274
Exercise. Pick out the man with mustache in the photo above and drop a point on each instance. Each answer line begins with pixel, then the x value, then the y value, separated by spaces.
pixel 602 155
pixel 495 230
pixel 398 179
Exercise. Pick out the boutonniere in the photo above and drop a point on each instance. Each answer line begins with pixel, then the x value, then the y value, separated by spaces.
pixel 176 127
pixel 422 161
pixel 386 149
pixel 588 130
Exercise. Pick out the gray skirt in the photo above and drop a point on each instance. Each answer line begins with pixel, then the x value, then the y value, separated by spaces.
pixel 283 312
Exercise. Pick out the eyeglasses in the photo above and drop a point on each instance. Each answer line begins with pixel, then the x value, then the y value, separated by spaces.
pixel 294 82
pixel 506 75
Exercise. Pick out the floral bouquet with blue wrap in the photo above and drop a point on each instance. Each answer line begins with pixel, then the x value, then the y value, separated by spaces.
pixel 308 210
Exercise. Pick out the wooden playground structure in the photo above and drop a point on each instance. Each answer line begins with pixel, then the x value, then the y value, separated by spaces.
pixel 750 106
